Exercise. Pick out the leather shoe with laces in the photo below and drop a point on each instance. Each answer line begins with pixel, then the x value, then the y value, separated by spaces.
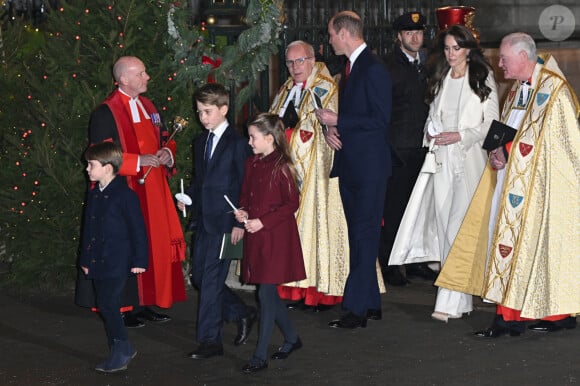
pixel 245 326
pixel 349 321
pixel 286 349
pixel 207 350
pixel 549 326
pixel 495 332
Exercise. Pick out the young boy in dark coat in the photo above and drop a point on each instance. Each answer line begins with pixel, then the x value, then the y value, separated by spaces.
pixel 220 153
pixel 114 246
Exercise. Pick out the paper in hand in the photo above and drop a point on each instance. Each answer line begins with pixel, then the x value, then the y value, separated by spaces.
pixel 290 117
pixel 318 105
pixel 498 135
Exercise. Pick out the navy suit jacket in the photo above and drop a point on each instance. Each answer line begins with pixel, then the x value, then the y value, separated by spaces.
pixel 223 174
pixel 114 238
pixel 364 116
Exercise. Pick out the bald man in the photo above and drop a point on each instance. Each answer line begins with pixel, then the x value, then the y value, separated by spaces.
pixel 131 120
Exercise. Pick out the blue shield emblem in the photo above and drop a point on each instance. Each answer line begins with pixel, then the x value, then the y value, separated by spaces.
pixel 515 200
pixel 541 98
pixel 320 91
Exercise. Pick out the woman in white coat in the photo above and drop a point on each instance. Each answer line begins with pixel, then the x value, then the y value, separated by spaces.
pixel 463 102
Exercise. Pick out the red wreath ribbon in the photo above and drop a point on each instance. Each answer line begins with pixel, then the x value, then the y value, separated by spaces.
pixel 214 64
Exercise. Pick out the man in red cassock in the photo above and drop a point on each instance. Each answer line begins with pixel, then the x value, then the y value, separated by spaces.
pixel 132 121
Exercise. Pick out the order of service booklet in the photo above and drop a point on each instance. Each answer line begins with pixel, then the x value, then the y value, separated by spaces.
pixel 229 251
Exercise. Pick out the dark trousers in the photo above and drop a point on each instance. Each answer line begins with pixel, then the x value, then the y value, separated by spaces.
pixel 272 310
pixel 217 302
pixel 108 293
pixel 363 209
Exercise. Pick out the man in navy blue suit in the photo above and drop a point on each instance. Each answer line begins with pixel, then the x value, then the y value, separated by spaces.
pixel 220 153
pixel 362 162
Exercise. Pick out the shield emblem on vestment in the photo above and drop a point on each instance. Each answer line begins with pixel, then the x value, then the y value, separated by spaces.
pixel 504 250
pixel 525 148
pixel 541 98
pixel 515 200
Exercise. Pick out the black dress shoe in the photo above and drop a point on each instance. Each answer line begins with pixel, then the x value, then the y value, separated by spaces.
pixel 131 321
pixel 421 270
pixel 299 305
pixel 374 314
pixel 322 307
pixel 254 366
pixel 285 351
pixel 207 350
pixel 548 326
pixel 394 276
pixel 152 316
pixel 245 326
pixel 349 321
pixel 495 332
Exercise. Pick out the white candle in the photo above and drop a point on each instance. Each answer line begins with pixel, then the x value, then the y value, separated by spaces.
pixel 183 211
pixel 233 206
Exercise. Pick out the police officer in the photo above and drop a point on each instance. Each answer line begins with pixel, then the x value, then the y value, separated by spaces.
pixel 409 112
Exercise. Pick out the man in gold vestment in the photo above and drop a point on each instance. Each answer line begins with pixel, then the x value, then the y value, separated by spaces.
pixel 320 217
pixel 527 225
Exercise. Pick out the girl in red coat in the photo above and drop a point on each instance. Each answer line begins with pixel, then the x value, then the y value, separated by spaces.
pixel 272 251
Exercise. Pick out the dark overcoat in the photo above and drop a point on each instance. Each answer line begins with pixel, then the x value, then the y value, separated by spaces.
pixel 114 238
pixel 273 255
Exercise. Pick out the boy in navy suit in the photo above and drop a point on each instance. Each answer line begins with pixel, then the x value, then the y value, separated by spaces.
pixel 114 246
pixel 220 153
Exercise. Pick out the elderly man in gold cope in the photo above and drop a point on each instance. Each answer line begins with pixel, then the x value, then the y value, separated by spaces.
pixel 320 218
pixel 526 222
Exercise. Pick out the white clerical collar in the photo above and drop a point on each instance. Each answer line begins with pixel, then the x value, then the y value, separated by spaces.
pixel 135 105
pixel 356 53
pixel 294 95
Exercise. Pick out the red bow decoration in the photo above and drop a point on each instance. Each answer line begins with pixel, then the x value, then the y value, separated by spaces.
pixel 214 64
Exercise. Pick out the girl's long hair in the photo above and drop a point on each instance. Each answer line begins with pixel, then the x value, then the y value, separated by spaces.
pixel 271 124
pixel 438 66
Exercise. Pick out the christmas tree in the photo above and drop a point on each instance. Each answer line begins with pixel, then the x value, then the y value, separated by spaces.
pixel 52 78
pixel 56 73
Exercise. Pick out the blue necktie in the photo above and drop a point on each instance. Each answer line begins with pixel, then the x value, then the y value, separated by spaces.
pixel 208 147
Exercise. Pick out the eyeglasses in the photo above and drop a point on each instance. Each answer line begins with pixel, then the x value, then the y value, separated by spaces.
pixel 297 62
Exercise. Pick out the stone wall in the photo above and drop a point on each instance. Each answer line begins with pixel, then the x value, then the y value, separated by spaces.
pixel 496 18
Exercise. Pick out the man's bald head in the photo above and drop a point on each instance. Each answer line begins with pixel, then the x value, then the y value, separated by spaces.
pixel 130 74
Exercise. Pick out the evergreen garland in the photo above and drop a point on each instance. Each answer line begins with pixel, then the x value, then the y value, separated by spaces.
pixel 241 63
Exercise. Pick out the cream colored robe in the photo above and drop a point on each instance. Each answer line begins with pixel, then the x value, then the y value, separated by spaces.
pixel 534 258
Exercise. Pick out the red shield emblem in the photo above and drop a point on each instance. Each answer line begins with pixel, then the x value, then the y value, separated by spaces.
pixel 525 148
pixel 305 135
pixel 504 250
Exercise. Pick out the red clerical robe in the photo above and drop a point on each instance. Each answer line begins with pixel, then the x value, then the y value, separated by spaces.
pixel 163 282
